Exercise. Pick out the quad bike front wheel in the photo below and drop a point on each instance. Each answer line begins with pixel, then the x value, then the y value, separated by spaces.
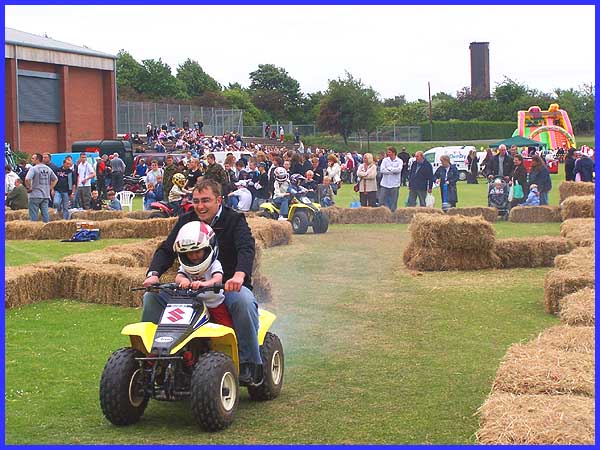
pixel 299 222
pixel 320 223
pixel 271 353
pixel 214 391
pixel 122 396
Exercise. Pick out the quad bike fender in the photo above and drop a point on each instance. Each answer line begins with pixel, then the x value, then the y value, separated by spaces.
pixel 268 207
pixel 265 320
pixel 222 339
pixel 141 335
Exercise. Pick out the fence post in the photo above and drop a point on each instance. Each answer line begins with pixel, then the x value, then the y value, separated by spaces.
pixel 128 120
pixel 314 129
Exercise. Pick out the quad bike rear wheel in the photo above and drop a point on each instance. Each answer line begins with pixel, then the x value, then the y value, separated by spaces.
pixel 122 396
pixel 320 223
pixel 214 391
pixel 271 353
pixel 300 222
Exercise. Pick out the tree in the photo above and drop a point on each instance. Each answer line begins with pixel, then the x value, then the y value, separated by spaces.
pixel 348 106
pixel 395 102
pixel 275 91
pixel 240 99
pixel 158 81
pixel 196 80
pixel 129 73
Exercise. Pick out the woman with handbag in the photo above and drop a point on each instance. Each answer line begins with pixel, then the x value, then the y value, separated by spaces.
pixel 518 182
pixel 447 176
pixel 367 181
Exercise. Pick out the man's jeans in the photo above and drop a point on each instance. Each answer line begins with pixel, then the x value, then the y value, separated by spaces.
pixel 390 197
pixel 283 203
pixel 543 198
pixel 61 203
pixel 85 196
pixel 243 309
pixel 412 197
pixel 36 204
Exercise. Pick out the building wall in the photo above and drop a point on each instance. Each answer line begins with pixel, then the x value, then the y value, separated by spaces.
pixel 39 137
pixel 480 69
pixel 86 111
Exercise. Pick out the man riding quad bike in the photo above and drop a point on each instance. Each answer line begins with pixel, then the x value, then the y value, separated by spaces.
pixel 293 205
pixel 191 352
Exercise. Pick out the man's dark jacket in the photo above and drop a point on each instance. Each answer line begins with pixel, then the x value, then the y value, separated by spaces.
pixel 420 178
pixel 236 245
pixel 508 165
pixel 585 167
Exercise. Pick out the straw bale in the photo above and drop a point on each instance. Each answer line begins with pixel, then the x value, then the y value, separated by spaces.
pixel 138 215
pixel 333 214
pixel 536 419
pixel 578 308
pixel 534 214
pixel 22 229
pixel 23 214
pixel 60 229
pixel 405 215
pixel 489 214
pixel 131 228
pixel 338 215
pixel 269 233
pixel 97 215
pixel 568 338
pixel 262 288
pixel 559 283
pixel 581 258
pixel 575 188
pixel 29 284
pixel 537 368
pixel 531 252
pixel 578 207
pixel 579 231
pixel 438 259
pixel 109 284
pixel 452 233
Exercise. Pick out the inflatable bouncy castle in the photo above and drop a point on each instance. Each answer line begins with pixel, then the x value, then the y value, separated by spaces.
pixel 553 127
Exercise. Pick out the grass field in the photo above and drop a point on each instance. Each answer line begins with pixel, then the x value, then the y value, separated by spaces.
pixel 374 353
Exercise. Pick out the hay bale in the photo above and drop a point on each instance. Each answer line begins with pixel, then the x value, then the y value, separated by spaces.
pixel 577 309
pixel 97 215
pixel 578 207
pixel 29 284
pixel 536 419
pixel 60 229
pixel 489 214
pixel 131 228
pixel 575 189
pixel 332 213
pixel 262 288
pixel 438 259
pixel 138 215
pixel 434 231
pixel 535 368
pixel 530 252
pixel 109 284
pixel 568 338
pixel 534 214
pixel 579 231
pixel 19 214
pixel 559 283
pixel 22 229
pixel 363 215
pixel 405 215
pixel 581 258
pixel 268 232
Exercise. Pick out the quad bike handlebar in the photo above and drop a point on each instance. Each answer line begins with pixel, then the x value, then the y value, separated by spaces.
pixel 175 287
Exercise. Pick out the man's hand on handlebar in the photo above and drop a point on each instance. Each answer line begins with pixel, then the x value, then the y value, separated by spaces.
pixel 150 281
pixel 235 282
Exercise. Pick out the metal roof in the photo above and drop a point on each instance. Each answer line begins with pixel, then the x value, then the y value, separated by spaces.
pixel 23 39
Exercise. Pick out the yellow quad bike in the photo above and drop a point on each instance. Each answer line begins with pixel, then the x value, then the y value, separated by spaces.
pixel 186 357
pixel 302 214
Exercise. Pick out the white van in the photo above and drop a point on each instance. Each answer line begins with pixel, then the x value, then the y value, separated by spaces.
pixel 458 156
pixel 220 156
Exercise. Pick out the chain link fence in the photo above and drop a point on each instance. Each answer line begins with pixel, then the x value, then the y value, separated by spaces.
pixel 390 134
pixel 133 117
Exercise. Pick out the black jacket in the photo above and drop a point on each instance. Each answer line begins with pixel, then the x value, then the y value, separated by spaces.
pixel 236 245
pixel 507 164
pixel 420 178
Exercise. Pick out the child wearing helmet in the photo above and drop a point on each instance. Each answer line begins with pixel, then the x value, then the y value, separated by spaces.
pixel 280 192
pixel 197 250
pixel 178 191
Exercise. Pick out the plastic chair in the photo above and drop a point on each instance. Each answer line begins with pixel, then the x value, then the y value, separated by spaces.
pixel 126 199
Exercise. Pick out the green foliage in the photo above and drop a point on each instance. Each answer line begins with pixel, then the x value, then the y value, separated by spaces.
pixel 158 81
pixel 458 130
pixel 195 79
pixel 348 106
pixel 275 91
pixel 240 99
pixel 129 72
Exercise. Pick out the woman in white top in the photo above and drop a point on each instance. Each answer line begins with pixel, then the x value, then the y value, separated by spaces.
pixel 334 171
pixel 367 186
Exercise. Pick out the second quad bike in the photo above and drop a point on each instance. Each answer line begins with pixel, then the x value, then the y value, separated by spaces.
pixel 186 357
pixel 302 214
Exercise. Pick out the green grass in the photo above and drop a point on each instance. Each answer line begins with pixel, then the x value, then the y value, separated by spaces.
pixel 21 252
pixel 374 353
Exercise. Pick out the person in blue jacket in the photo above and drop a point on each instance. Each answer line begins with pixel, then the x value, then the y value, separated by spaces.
pixel 447 176
pixel 540 176
pixel 420 180
pixel 584 166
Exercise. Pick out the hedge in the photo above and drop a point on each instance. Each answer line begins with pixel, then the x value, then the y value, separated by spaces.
pixel 458 130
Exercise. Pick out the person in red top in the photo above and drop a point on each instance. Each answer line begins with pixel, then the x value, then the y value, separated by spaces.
pixel 102 172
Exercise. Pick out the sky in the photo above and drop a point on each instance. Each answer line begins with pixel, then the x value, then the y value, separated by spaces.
pixel 394 49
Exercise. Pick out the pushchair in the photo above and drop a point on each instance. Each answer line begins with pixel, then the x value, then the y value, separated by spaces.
pixel 498 196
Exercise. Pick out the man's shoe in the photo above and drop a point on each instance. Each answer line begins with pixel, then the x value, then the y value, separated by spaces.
pixel 251 374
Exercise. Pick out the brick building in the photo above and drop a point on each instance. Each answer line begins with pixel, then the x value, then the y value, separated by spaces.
pixel 56 93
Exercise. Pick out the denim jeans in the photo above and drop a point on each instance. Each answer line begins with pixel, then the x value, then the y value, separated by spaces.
pixel 61 203
pixel 243 309
pixel 36 204
pixel 283 204
pixel 412 197
pixel 543 198
pixel 390 197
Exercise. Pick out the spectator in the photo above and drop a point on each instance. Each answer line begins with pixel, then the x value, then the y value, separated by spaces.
pixel 141 168
pixel 367 184
pixel 154 173
pixel 570 165
pixel 486 164
pixel 262 184
pixel 96 201
pixel 117 170
pixel 149 134
pixel 113 203
pixel 297 136
pixel 404 156
pixel 149 197
pixel 17 197
pixel 64 191
pixel 502 164
pixel 325 192
pixel 533 199
pixel 241 198
pixel 472 167
pixel 169 170
pixel 46 159
pixel 9 179
pixel 22 169
pixel 540 176
pixel 584 167
pixel 447 176
pixel 193 173
pixel 215 171
pixel 334 171
pixel 519 176
pixel 310 185
pixel 420 180
pixel 40 180
pixel 317 171
pixel 281 134
pixel 85 173
pixel 102 172
pixel 391 168
pixel 159 189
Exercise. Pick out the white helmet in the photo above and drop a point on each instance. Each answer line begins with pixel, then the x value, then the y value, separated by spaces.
pixel 195 236
pixel 281 174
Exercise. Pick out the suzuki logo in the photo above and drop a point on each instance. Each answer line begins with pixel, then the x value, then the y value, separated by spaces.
pixel 175 315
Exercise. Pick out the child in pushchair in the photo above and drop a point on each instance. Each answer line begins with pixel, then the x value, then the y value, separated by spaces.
pixel 498 196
